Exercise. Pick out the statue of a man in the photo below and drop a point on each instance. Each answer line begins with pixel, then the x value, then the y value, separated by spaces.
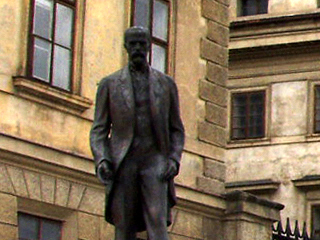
pixel 137 139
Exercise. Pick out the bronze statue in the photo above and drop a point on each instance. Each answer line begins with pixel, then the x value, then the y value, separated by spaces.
pixel 137 139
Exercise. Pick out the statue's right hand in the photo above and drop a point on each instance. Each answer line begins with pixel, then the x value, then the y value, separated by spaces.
pixel 104 172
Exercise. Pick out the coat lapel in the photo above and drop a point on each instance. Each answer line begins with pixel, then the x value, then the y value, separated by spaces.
pixel 126 88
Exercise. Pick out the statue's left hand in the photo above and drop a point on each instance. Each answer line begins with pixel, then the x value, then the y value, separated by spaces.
pixel 171 171
pixel 104 172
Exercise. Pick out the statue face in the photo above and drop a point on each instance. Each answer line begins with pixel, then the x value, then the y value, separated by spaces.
pixel 137 46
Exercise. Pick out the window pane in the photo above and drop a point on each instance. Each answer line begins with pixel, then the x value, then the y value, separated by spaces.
pixel 51 230
pixel 256 121
pixel 28 227
pixel 239 100
pixel 253 7
pixel 160 20
pixel 317 127
pixel 238 133
pixel 256 98
pixel 142 13
pixel 249 7
pixel 159 58
pixel 317 103
pixel 263 6
pixel 317 117
pixel 255 132
pixel 239 111
pixel 61 68
pixel 64 23
pixel 43 18
pixel 41 59
pixel 239 122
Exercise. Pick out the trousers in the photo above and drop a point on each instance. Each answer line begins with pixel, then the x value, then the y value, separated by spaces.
pixel 141 194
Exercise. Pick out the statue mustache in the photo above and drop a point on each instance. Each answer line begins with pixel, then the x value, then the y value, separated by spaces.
pixel 138 54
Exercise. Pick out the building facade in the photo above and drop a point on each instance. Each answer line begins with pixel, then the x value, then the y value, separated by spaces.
pixel 273 108
pixel 53 54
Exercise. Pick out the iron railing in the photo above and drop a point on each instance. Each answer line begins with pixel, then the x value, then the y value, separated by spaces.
pixel 279 233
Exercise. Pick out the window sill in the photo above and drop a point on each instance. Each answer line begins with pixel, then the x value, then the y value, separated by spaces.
pixel 49 96
pixel 248 142
pixel 314 137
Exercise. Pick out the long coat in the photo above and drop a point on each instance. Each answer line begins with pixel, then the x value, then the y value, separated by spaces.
pixel 113 127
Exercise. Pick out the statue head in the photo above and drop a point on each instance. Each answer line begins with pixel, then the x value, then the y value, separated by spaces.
pixel 137 42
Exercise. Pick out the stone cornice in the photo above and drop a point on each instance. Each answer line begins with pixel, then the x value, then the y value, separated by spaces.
pixel 309 182
pixel 285 49
pixel 265 19
pixel 274 31
pixel 256 186
pixel 21 152
pixel 239 196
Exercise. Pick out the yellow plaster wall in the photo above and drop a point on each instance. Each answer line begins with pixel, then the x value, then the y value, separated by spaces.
pixel 103 51
pixel 102 54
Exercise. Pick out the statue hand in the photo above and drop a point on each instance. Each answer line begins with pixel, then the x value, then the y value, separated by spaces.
pixel 171 171
pixel 104 172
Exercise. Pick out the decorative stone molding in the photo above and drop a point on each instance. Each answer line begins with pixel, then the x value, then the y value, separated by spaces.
pixel 50 189
pixel 249 217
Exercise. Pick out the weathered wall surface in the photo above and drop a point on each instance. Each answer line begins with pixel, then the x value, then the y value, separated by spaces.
pixel 268 52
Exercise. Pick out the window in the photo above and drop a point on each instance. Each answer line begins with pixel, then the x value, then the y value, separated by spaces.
pixel 248 115
pixel 37 228
pixel 317 109
pixel 252 7
pixel 154 15
pixel 51 42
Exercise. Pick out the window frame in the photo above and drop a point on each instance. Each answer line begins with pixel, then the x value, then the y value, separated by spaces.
pixel 316 86
pixel 31 44
pixel 155 40
pixel 247 114
pixel 40 221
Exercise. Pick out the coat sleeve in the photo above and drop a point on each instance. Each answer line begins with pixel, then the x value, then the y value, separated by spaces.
pixel 101 125
pixel 176 129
